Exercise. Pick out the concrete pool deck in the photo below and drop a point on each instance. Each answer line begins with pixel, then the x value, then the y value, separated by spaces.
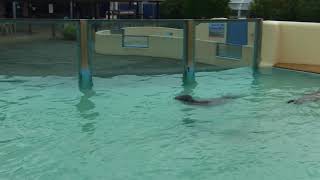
pixel 299 67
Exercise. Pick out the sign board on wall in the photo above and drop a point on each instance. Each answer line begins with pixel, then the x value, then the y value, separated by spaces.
pixel 216 30
pixel 131 41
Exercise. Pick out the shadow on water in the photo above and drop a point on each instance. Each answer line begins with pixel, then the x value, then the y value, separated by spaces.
pixel 188 122
pixel 188 89
pixel 85 107
pixel 3 117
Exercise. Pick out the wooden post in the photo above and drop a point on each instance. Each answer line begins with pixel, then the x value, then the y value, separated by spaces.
pixel 189 52
pixel 85 75
pixel 257 44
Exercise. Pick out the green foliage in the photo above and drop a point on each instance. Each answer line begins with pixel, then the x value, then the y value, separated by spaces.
pixel 179 9
pixel 308 10
pixel 206 8
pixel 70 32
pixel 172 9
pixel 289 10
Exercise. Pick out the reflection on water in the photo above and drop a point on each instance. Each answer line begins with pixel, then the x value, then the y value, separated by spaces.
pixel 2 117
pixel 86 107
pixel 189 122
pixel 188 88
pixel 89 127
pixel 85 104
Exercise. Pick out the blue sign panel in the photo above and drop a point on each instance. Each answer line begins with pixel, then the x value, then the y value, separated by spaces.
pixel 237 33
pixel 148 10
pixel 216 29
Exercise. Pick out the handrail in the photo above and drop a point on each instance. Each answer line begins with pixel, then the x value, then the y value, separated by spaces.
pixel 32 20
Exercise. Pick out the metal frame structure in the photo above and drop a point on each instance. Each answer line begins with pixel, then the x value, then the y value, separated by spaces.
pixel 86 36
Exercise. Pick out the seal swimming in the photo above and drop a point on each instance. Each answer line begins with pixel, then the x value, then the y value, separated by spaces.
pixel 187 99
pixel 313 97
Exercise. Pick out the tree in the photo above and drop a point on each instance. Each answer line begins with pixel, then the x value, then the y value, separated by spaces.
pixel 206 8
pixel 195 8
pixel 172 9
pixel 308 10
pixel 274 9
pixel 288 10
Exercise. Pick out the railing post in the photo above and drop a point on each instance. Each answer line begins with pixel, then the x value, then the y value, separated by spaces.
pixel 85 74
pixel 189 52
pixel 257 44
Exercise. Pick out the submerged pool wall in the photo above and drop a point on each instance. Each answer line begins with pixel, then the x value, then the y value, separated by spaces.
pixel 290 42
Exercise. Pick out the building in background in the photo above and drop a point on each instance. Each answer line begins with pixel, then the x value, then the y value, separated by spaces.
pixel 77 9
pixel 240 8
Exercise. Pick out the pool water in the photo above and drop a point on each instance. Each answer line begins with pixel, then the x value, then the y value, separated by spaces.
pixel 131 128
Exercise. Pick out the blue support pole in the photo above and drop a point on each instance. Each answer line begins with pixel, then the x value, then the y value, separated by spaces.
pixel 189 52
pixel 85 73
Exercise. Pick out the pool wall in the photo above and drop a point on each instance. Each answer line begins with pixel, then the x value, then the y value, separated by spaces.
pixel 290 42
pixel 170 41
pixel 70 47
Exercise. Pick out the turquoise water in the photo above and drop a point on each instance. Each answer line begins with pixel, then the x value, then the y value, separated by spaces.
pixel 131 128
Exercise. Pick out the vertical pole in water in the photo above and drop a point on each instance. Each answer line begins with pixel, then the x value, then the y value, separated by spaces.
pixel 189 52
pixel 85 74
pixel 257 44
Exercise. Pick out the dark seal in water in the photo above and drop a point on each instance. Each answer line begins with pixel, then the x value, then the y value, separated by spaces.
pixel 187 99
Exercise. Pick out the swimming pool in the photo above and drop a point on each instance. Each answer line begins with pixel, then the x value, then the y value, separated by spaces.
pixel 131 128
